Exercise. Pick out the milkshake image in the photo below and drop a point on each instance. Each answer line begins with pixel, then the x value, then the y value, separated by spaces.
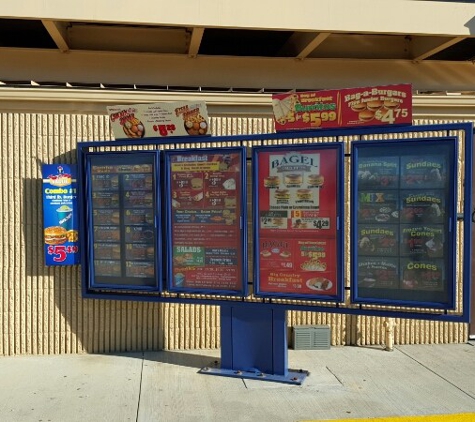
pixel 65 216
pixel 179 279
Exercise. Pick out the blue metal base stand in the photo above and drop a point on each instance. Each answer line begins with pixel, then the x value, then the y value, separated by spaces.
pixel 254 346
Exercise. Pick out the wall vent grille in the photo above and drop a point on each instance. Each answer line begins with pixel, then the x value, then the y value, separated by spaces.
pixel 311 337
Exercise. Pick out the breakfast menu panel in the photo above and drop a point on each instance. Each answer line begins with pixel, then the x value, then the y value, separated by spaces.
pixel 403 209
pixel 296 216
pixel 122 209
pixel 205 220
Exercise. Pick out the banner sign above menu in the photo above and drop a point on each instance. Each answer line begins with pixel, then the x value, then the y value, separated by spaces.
pixel 61 242
pixel 206 204
pixel 369 106
pixel 297 189
pixel 159 120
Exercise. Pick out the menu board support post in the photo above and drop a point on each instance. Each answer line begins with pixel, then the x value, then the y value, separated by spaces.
pixel 254 346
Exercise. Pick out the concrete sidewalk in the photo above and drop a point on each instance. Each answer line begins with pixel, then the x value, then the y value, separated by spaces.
pixel 344 382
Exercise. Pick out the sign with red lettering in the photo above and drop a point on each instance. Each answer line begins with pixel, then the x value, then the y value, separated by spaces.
pixel 297 189
pixel 159 120
pixel 61 224
pixel 205 218
pixel 370 106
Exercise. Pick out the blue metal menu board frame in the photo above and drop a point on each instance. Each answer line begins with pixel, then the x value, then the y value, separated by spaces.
pixel 358 299
pixel 206 222
pixel 124 234
pixel 298 206
pixel 403 237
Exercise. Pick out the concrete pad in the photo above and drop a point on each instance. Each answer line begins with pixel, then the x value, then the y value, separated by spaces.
pixel 172 389
pixel 452 362
pixel 380 383
pixel 69 388
pixel 344 383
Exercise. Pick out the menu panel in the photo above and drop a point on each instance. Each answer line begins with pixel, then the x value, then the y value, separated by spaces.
pixel 296 191
pixel 205 216
pixel 123 202
pixel 402 222
pixel 60 214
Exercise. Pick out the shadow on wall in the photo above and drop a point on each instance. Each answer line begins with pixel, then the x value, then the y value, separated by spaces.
pixel 58 319
pixel 471 23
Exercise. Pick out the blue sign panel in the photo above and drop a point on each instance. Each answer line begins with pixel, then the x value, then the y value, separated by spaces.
pixel 60 219
pixel 403 222
pixel 123 222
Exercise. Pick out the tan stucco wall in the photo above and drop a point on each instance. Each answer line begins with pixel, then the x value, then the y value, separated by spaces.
pixel 41 308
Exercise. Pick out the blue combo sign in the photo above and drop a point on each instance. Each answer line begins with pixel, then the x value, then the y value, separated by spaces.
pixel 60 219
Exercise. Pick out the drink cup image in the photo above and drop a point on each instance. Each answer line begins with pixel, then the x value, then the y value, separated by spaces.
pixel 179 279
pixel 65 216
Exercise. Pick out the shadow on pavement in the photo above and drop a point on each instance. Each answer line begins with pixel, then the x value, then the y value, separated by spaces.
pixel 181 358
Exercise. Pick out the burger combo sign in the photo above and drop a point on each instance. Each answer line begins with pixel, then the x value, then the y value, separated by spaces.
pixel 60 220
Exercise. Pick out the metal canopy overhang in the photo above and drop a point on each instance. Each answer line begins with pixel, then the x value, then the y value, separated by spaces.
pixel 407 17
pixel 250 45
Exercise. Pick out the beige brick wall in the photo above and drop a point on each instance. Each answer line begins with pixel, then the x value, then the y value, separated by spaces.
pixel 41 308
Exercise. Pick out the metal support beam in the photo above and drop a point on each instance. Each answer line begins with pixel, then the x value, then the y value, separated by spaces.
pixel 196 37
pixel 312 45
pixel 301 44
pixel 430 51
pixel 57 31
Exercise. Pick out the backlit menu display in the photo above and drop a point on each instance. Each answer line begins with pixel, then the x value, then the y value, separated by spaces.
pixel 297 206
pixel 123 205
pixel 403 222
pixel 205 221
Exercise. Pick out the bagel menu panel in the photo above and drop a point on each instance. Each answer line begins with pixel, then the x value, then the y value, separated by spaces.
pixel 368 106
pixel 296 221
pixel 122 199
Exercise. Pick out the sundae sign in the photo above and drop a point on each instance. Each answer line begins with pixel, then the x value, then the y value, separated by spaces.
pixel 60 214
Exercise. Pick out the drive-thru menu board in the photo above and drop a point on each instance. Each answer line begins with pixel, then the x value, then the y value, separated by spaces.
pixel 403 221
pixel 122 208
pixel 296 196
pixel 205 221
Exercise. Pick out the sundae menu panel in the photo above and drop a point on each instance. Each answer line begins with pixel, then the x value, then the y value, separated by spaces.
pixel 205 220
pixel 297 193
pixel 122 204
pixel 404 205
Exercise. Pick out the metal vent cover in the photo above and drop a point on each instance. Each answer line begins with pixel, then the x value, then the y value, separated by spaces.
pixel 311 337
